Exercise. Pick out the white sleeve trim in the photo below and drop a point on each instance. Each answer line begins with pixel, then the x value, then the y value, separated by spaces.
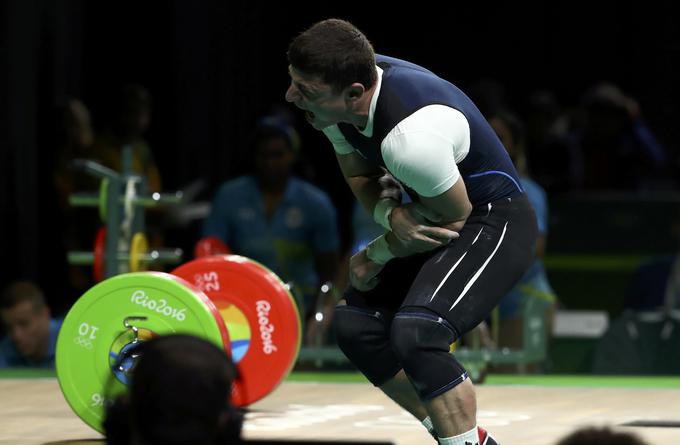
pixel 423 150
pixel 340 144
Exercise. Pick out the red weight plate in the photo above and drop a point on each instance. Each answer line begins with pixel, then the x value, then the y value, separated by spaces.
pixel 98 262
pixel 209 246
pixel 224 331
pixel 260 314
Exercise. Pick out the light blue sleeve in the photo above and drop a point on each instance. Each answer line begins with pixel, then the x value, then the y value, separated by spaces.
pixel 5 348
pixel 538 199
pixel 217 222
pixel 325 235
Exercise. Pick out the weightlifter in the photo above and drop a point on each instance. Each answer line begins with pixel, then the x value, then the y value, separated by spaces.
pixel 448 256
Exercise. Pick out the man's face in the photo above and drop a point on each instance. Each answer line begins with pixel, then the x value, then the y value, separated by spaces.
pixel 28 328
pixel 273 160
pixel 323 107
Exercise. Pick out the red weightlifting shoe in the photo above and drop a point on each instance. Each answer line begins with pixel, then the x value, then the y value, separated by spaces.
pixel 485 438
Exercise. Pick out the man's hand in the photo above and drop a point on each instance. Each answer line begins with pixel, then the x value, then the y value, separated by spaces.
pixel 390 187
pixel 415 226
pixel 363 272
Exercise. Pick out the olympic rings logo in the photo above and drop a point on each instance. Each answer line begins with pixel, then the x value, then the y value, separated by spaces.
pixel 83 342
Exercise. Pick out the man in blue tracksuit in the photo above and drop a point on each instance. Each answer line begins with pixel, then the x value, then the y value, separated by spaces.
pixel 450 254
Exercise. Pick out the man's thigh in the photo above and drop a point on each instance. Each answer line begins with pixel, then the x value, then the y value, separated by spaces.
pixel 465 281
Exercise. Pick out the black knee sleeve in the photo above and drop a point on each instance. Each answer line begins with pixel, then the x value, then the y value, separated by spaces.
pixel 421 342
pixel 363 336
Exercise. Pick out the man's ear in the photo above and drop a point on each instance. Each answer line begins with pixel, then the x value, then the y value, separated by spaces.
pixel 354 91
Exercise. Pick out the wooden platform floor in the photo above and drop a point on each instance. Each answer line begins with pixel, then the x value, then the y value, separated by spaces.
pixel 33 411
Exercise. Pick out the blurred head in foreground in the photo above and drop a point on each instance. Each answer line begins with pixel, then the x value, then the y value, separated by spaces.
pixel 180 394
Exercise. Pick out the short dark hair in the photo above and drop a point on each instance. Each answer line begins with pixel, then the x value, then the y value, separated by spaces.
pixel 600 436
pixel 337 52
pixel 180 394
pixel 20 291
pixel 180 387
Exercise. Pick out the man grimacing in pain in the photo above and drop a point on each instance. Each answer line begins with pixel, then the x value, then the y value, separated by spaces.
pixel 450 254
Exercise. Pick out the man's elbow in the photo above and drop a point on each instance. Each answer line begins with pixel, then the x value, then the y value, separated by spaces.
pixel 459 211
pixel 455 220
pixel 466 210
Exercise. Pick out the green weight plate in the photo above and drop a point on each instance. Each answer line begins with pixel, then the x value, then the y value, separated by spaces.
pixel 103 197
pixel 261 316
pixel 93 333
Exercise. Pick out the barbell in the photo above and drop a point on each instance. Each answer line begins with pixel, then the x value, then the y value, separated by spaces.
pixel 230 300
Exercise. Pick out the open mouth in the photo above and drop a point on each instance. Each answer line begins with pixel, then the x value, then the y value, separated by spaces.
pixel 309 116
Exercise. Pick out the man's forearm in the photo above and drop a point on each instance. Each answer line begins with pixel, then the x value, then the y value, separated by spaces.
pixel 387 246
pixel 399 249
pixel 367 190
pixel 371 185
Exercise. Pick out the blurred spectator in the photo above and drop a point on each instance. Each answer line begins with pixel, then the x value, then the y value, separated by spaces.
pixel 180 395
pixel 600 436
pixel 656 283
pixel 73 138
pixel 130 119
pixel 548 151
pixel 122 146
pixel 280 220
pixel 615 150
pixel 31 333
pixel 534 284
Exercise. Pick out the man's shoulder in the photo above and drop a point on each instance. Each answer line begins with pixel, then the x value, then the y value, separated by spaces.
pixel 383 60
pixel 5 344
pixel 532 187
pixel 9 355
pixel 55 326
